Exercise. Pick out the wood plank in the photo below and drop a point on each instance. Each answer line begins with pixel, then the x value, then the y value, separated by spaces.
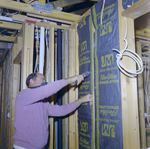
pixel 76 90
pixel 22 18
pixel 7 38
pixel 138 9
pixel 41 1
pixel 10 25
pixel 72 95
pixel 27 53
pixel 141 101
pixel 15 91
pixel 22 7
pixel 48 18
pixel 52 78
pixel 44 24
pixel 130 119
pixel 17 59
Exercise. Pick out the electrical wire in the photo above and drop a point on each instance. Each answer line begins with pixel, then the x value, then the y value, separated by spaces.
pixel 102 12
pixel 129 53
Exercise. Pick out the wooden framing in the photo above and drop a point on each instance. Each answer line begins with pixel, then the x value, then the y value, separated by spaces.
pixel 51 79
pixel 141 101
pixel 72 95
pixel 22 52
pixel 29 9
pixel 10 25
pixel 129 107
pixel 7 38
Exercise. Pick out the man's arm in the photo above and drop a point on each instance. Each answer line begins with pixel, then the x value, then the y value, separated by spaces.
pixel 78 78
pixel 87 98
pixel 56 110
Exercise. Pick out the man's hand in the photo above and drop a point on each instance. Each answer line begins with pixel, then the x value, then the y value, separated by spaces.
pixel 78 78
pixel 87 98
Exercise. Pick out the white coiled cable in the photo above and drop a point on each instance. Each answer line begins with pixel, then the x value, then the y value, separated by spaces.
pixel 131 54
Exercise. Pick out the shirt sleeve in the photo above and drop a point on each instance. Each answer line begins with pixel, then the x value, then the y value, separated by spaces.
pixel 29 96
pixel 56 110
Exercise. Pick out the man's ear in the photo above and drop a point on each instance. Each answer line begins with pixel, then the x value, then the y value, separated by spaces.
pixel 31 82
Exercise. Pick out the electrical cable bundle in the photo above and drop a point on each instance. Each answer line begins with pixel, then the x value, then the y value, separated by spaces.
pixel 132 55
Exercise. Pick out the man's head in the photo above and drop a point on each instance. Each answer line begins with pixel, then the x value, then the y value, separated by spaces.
pixel 35 79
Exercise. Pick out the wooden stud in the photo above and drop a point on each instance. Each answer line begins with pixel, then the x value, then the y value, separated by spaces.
pixel 51 71
pixel 72 95
pixel 27 53
pixel 76 91
pixel 19 44
pixel 130 119
pixel 141 101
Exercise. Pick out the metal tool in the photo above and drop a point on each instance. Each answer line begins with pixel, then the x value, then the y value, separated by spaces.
pixel 84 74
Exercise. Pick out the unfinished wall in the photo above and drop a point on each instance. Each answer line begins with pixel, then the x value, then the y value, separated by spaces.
pixel 92 126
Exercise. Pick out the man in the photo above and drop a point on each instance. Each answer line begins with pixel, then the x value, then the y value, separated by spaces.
pixel 32 111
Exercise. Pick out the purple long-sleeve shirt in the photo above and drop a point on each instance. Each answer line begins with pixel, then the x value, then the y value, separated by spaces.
pixel 31 114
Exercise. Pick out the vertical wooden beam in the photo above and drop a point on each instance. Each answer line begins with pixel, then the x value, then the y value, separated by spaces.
pixel 141 101
pixel 128 88
pixel 72 94
pixel 76 91
pixel 50 73
pixel 27 52
pixel 65 90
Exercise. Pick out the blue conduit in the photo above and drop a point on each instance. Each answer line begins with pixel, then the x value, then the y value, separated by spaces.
pixel 59 94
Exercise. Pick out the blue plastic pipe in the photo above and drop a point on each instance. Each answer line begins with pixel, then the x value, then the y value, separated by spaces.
pixel 59 94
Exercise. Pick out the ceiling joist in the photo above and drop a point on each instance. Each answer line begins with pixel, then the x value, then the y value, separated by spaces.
pixel 7 38
pixel 10 25
pixel 22 7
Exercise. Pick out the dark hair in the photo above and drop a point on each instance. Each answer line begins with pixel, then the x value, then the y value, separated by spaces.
pixel 31 76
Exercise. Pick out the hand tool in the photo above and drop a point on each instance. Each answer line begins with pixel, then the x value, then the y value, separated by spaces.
pixel 84 74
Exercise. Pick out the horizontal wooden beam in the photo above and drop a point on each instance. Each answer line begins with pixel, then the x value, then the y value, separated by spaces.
pixel 138 9
pixel 10 25
pixel 48 18
pixel 22 7
pixel 49 25
pixel 7 38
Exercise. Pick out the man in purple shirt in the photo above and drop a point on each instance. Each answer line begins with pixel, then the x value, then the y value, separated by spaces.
pixel 32 111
